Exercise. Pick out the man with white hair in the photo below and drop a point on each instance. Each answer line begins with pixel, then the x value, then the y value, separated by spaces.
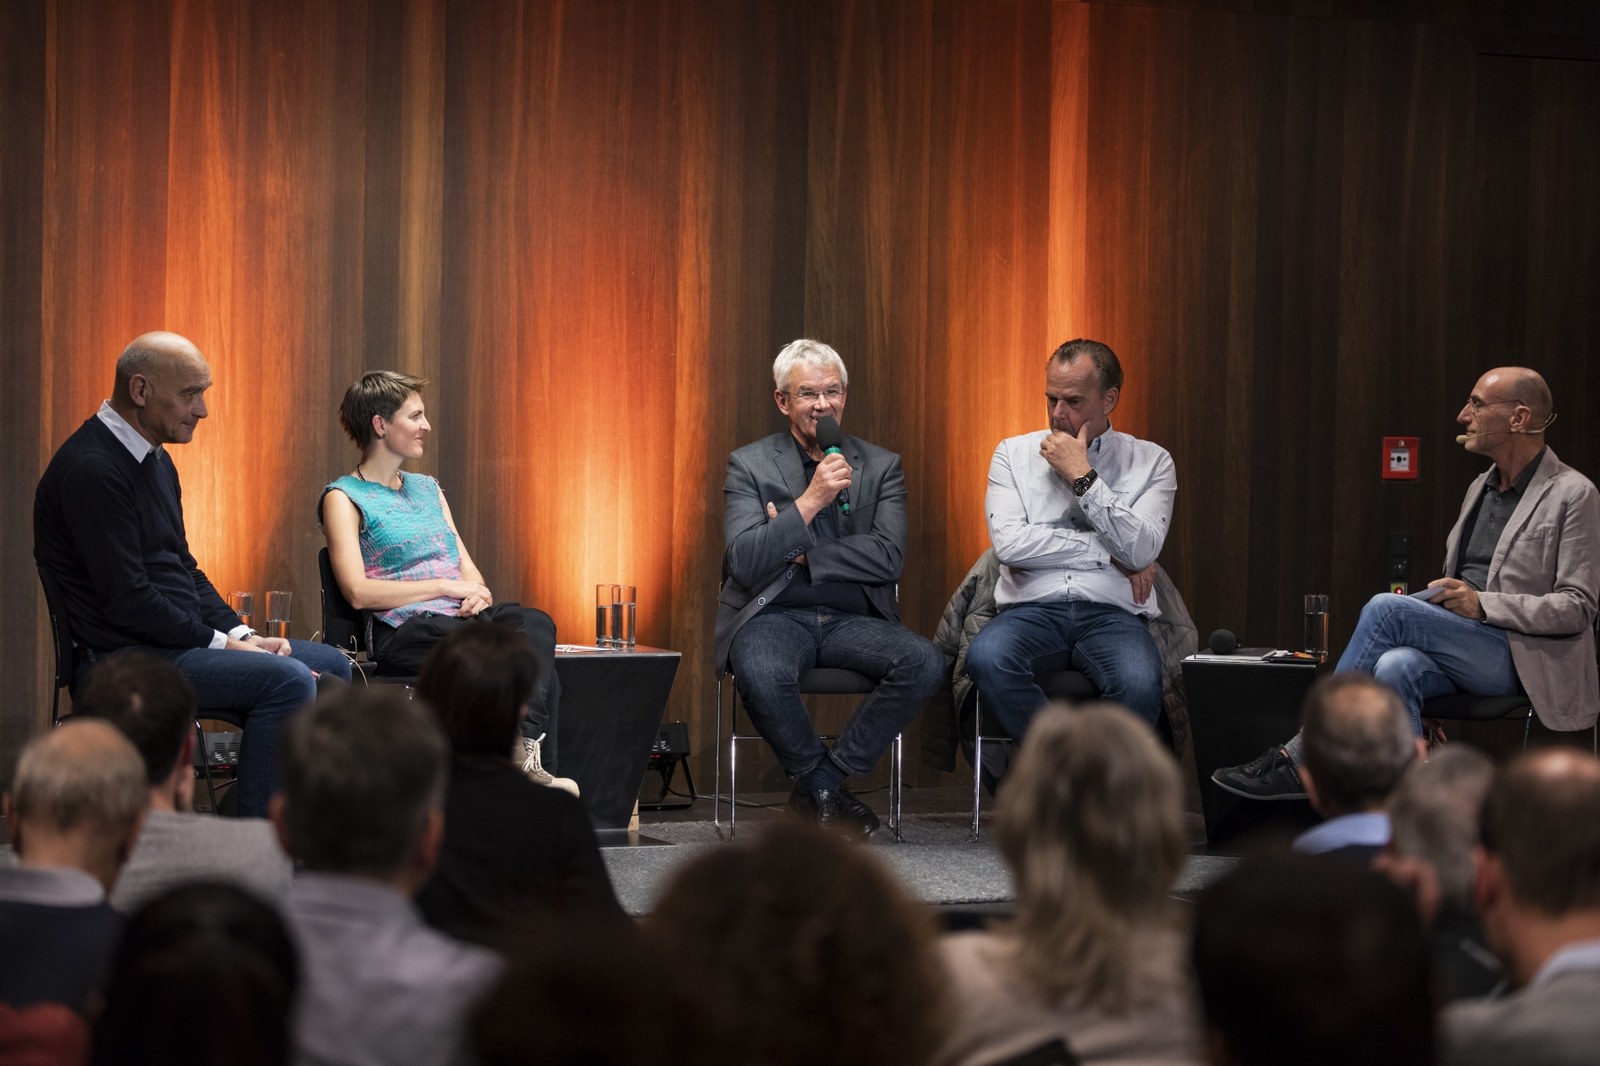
pixel 816 539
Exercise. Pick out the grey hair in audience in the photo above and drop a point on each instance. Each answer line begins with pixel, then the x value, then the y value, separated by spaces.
pixel 807 353
pixel 82 775
pixel 362 771
pixel 1542 820
pixel 1358 741
pixel 1433 816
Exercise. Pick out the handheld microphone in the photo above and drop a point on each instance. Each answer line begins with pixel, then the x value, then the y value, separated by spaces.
pixel 829 438
pixel 1223 642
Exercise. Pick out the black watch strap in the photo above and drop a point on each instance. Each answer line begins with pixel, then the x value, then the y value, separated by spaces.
pixel 1081 485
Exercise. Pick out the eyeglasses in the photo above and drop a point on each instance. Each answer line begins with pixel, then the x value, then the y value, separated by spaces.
pixel 833 393
pixel 1478 405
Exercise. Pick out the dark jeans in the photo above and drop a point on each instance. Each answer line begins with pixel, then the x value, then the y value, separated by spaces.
pixel 401 651
pixel 260 692
pixel 774 648
pixel 1107 644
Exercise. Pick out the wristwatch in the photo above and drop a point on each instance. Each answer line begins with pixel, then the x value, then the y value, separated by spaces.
pixel 1081 485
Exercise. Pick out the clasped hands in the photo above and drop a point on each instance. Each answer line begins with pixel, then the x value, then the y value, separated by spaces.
pixel 1458 597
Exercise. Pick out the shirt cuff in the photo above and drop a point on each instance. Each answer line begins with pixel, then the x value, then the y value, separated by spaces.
pixel 219 639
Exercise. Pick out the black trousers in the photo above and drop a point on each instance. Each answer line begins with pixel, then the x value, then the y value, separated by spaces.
pixel 400 653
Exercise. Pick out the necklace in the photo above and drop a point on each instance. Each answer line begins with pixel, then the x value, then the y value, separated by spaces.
pixel 399 476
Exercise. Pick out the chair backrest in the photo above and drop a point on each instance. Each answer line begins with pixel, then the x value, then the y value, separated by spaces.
pixel 61 635
pixel 343 625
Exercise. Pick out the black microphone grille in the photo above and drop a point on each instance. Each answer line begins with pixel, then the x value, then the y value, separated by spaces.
pixel 1223 642
pixel 828 433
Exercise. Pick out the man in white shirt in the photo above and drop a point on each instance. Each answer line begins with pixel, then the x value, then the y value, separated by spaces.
pixel 1538 891
pixel 1077 515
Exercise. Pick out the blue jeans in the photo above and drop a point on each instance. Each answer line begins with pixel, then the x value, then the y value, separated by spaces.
pixel 258 692
pixel 1108 645
pixel 774 648
pixel 1421 650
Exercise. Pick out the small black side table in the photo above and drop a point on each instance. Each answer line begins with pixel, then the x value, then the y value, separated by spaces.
pixel 612 703
pixel 1237 710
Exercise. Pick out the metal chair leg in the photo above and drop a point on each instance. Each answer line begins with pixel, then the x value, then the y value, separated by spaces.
pixel 716 752
pixel 205 764
pixel 896 765
pixel 977 765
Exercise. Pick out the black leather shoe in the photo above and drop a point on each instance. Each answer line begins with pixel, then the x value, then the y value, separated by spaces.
pixel 835 811
pixel 1270 776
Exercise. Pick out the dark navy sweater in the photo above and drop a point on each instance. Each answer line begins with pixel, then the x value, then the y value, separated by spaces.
pixel 111 530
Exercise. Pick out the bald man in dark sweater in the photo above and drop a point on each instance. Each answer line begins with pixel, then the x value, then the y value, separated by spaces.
pixel 108 524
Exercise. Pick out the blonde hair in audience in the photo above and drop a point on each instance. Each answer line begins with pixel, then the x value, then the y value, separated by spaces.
pixel 1090 820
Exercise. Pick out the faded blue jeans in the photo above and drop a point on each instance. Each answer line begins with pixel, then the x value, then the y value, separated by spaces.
pixel 1108 645
pixel 1421 650
pixel 774 648
pixel 259 692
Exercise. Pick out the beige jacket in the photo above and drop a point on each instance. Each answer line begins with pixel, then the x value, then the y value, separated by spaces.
pixel 1543 588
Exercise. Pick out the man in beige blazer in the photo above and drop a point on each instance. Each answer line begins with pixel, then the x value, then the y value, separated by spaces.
pixel 1516 613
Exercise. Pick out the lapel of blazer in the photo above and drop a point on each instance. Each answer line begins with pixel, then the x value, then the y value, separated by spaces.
pixel 786 457
pixel 1531 499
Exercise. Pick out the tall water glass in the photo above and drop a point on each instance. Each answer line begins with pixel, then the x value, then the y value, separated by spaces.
pixel 625 634
pixel 606 598
pixel 244 605
pixel 1316 642
pixel 278 615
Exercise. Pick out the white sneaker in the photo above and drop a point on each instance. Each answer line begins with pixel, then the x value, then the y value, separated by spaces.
pixel 528 752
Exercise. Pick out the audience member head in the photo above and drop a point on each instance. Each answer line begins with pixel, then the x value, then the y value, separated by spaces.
pixel 363 786
pixel 1433 816
pixel 1091 823
pixel 205 971
pixel 557 1001
pixel 1317 963
pixel 810 354
pixel 376 394
pixel 806 951
pixel 152 703
pixel 1538 875
pixel 478 680
pixel 1358 743
pixel 77 799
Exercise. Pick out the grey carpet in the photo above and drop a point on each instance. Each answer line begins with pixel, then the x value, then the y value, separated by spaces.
pixel 936 864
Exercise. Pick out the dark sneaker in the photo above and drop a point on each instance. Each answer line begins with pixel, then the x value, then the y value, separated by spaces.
pixel 834 811
pixel 1270 777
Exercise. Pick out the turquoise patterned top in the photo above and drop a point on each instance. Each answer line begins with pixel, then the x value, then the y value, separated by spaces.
pixel 404 537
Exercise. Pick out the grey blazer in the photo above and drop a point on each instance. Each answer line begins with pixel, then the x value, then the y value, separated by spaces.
pixel 1543 588
pixel 1551 1024
pixel 758 560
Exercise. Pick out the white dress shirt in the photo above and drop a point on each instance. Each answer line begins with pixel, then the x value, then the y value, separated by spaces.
pixel 1052 545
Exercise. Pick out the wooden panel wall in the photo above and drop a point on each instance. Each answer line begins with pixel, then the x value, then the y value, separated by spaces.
pixel 592 224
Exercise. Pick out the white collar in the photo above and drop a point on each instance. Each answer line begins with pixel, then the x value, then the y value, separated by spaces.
pixel 1578 955
pixel 120 428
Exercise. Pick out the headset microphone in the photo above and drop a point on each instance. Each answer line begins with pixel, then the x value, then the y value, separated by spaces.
pixel 1462 438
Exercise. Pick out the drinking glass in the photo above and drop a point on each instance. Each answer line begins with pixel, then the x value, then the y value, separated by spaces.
pixel 606 597
pixel 624 634
pixel 244 605
pixel 1316 642
pixel 278 615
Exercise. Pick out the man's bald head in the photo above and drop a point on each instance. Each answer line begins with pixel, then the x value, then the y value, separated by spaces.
pixel 160 390
pixel 84 778
pixel 1524 387
pixel 155 354
pixel 1542 821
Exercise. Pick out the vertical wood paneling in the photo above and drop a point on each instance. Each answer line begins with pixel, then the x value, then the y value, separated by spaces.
pixel 592 225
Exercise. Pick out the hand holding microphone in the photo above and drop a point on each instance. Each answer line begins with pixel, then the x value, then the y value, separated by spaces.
pixel 829 439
